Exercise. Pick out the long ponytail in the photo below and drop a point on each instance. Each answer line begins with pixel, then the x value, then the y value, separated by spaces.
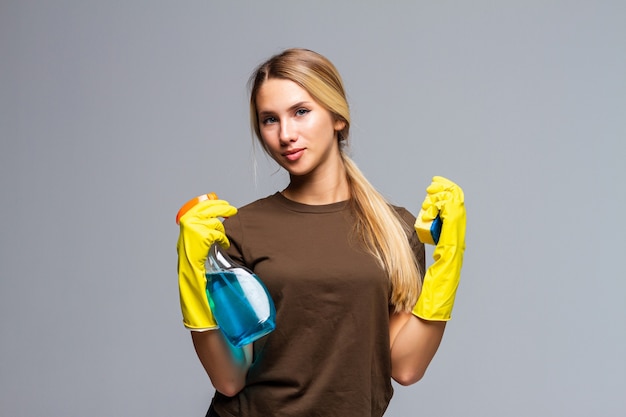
pixel 385 236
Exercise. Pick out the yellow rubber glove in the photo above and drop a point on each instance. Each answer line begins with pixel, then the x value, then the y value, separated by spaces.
pixel 444 199
pixel 199 229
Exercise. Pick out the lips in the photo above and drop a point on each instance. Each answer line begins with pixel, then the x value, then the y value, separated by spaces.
pixel 294 154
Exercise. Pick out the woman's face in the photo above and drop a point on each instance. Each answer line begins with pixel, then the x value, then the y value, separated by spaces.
pixel 300 134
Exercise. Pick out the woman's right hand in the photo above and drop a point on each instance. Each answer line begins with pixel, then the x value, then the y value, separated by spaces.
pixel 200 227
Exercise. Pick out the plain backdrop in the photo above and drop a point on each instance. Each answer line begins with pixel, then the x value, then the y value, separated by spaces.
pixel 114 113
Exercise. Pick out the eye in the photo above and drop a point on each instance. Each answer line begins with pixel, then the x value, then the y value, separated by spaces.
pixel 268 120
pixel 302 112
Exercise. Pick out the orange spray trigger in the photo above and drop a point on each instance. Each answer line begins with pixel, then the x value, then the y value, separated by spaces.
pixel 189 204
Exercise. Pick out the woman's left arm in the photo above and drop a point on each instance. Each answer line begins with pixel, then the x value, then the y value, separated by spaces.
pixel 414 342
pixel 415 336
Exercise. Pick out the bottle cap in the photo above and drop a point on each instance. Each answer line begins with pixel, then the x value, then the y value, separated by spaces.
pixel 189 204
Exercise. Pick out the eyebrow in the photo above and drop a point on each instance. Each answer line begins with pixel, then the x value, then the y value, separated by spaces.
pixel 291 108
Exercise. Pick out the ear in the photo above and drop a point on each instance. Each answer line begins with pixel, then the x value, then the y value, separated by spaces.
pixel 339 125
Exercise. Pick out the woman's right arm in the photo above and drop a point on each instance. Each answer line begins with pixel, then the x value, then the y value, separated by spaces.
pixel 226 365
pixel 200 227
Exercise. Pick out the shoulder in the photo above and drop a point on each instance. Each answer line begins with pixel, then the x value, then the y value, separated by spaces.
pixel 404 214
pixel 253 210
pixel 269 203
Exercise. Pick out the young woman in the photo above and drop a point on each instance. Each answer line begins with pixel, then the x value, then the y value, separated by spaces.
pixel 355 305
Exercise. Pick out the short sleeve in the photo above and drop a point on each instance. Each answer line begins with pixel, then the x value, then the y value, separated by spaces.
pixel 418 247
pixel 234 232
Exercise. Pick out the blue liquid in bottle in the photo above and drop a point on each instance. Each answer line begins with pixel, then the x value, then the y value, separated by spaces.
pixel 239 301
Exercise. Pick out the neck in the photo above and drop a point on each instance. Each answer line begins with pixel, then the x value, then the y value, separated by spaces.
pixel 320 190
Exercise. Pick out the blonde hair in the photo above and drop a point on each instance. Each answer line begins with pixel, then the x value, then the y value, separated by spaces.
pixel 378 224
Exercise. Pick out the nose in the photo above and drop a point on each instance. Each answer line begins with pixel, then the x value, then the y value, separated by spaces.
pixel 287 132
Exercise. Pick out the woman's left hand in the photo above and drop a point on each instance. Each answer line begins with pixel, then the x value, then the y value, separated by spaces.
pixel 445 199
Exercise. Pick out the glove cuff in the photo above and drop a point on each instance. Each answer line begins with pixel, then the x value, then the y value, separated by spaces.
pixel 194 305
pixel 200 329
pixel 431 313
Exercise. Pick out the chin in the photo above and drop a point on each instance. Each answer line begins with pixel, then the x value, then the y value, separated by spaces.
pixel 299 172
pixel 296 171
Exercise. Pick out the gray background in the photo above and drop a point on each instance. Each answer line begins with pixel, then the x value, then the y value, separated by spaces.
pixel 113 113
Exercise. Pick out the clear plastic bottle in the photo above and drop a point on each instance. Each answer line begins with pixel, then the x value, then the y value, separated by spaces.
pixel 239 300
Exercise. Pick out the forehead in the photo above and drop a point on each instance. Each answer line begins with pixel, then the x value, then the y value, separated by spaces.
pixel 276 94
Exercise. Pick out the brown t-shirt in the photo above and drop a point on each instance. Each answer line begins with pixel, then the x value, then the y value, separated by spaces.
pixel 329 354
